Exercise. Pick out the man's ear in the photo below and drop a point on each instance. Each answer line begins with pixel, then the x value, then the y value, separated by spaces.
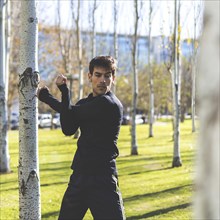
pixel 113 81
pixel 90 77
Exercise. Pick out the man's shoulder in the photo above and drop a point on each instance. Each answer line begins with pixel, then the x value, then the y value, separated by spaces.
pixel 111 97
pixel 82 101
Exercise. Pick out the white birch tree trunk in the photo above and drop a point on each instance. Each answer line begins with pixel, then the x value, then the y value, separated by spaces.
pixel 115 30
pixel 176 148
pixel 8 42
pixel 197 9
pixel 79 53
pixel 28 169
pixel 115 38
pixel 94 29
pixel 194 64
pixel 193 98
pixel 151 86
pixel 79 48
pixel 4 151
pixel 134 147
pixel 207 202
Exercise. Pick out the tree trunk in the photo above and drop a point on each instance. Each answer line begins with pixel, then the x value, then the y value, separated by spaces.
pixel 28 169
pixel 4 152
pixel 93 29
pixel 207 202
pixel 79 48
pixel 193 98
pixel 194 65
pixel 115 38
pixel 134 148
pixel 151 86
pixel 176 151
pixel 115 30
pixel 64 51
pixel 79 54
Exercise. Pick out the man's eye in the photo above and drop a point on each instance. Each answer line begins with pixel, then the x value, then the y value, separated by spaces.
pixel 108 76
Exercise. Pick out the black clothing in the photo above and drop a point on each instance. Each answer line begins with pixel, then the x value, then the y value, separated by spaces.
pixel 97 192
pixel 99 119
pixel 93 183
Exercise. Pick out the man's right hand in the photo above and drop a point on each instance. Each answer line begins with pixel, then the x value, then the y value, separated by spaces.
pixel 60 80
pixel 40 88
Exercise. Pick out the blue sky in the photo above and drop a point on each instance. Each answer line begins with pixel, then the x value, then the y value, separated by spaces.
pixel 162 22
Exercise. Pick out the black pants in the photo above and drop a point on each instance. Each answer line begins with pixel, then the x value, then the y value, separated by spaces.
pixel 99 193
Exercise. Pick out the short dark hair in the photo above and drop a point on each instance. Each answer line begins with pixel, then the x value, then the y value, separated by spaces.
pixel 107 62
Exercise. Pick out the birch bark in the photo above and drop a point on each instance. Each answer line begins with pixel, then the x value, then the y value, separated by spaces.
pixel 76 19
pixel 207 201
pixel 4 152
pixel 94 29
pixel 134 148
pixel 115 38
pixel 151 85
pixel 28 169
pixel 176 82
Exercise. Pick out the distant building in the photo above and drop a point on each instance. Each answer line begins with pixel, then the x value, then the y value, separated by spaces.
pixel 160 51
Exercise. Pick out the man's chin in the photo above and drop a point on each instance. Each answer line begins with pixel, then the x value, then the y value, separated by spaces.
pixel 101 92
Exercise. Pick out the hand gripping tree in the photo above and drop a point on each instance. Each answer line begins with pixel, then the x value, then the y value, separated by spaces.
pixel 28 169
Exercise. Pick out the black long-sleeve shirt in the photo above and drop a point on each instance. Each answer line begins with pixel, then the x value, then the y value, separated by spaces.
pixel 99 119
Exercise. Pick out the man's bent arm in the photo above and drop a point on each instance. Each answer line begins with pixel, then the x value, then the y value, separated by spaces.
pixel 68 121
pixel 47 98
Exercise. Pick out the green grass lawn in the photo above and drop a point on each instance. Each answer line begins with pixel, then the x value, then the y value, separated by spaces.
pixel 151 189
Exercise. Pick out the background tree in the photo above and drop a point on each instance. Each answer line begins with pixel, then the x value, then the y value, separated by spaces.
pixel 151 84
pixel 4 152
pixel 172 66
pixel 197 8
pixel 134 147
pixel 94 8
pixel 176 86
pixel 115 37
pixel 208 165
pixel 76 19
pixel 28 169
pixel 14 54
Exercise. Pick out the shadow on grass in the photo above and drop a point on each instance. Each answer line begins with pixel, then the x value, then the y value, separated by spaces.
pixel 54 183
pixel 172 190
pixel 160 169
pixel 50 215
pixel 159 212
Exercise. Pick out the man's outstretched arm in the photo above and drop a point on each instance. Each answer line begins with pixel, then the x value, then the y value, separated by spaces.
pixel 44 95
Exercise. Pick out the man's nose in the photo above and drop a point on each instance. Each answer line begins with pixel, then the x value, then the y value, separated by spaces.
pixel 103 79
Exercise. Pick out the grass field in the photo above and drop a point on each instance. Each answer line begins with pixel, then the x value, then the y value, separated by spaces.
pixel 151 189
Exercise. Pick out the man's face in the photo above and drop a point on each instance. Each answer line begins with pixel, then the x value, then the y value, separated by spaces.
pixel 101 80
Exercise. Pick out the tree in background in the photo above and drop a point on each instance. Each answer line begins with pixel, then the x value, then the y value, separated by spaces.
pixel 172 66
pixel 197 8
pixel 76 17
pixel 4 46
pixel 176 87
pixel 28 169
pixel 65 38
pixel 94 8
pixel 14 55
pixel 115 10
pixel 207 203
pixel 134 147
pixel 151 82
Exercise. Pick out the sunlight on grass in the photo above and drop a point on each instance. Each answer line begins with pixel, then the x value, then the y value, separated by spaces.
pixel 151 189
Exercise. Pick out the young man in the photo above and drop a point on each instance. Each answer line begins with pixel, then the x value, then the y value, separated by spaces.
pixel 93 184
